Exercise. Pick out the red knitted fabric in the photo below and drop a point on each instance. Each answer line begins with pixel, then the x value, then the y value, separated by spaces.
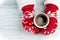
pixel 28 19
pixel 51 11
pixel 28 24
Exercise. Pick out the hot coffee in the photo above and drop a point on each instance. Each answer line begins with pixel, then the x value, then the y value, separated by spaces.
pixel 41 20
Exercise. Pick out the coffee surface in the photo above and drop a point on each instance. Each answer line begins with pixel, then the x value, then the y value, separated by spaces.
pixel 41 20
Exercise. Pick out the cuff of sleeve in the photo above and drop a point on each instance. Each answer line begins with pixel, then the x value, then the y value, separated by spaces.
pixel 22 3
pixel 55 2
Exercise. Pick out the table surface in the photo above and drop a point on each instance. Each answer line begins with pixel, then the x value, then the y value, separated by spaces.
pixel 10 23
